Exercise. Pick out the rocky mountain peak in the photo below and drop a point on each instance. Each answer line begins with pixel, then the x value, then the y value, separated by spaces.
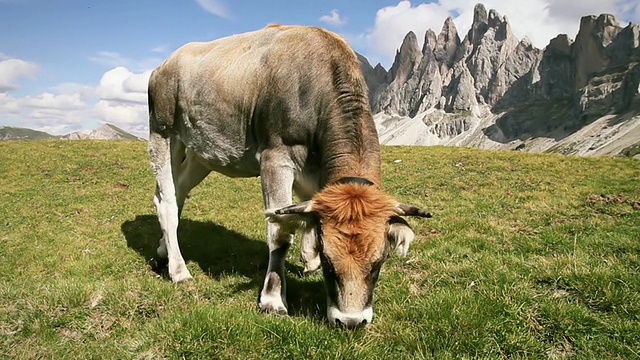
pixel 447 44
pixel 454 75
pixel 560 45
pixel 430 41
pixel 526 43
pixel 105 132
pixel 479 25
pixel 449 26
pixel 589 49
pixel 626 46
pixel 406 60
pixel 521 91
pixel 495 19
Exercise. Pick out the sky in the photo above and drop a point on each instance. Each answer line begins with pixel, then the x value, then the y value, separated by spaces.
pixel 73 65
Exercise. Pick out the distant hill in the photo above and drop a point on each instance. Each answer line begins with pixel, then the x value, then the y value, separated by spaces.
pixel 105 132
pixel 18 133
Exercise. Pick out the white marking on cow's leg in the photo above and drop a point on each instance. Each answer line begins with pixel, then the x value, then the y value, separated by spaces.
pixel 273 294
pixel 350 320
pixel 167 207
pixel 309 250
pixel 161 251
pixel 159 150
pixel 277 181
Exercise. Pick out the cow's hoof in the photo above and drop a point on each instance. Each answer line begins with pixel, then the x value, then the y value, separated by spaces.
pixel 278 309
pixel 272 304
pixel 308 270
pixel 311 266
pixel 182 278
pixel 180 273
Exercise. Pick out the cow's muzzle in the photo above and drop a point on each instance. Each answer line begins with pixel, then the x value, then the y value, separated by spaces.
pixel 349 320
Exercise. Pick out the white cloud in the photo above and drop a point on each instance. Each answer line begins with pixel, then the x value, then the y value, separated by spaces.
pixel 123 86
pixel 8 105
pixel 11 70
pixel 123 100
pixel 333 19
pixel 392 23
pixel 51 101
pixel 540 20
pixel 216 7
pixel 86 92
pixel 122 114
pixel 120 99
pixel 47 111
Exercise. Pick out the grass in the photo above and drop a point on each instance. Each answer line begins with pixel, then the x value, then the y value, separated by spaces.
pixel 527 256
pixel 631 151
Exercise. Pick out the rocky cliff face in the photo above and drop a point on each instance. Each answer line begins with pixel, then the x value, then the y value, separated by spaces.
pixel 493 90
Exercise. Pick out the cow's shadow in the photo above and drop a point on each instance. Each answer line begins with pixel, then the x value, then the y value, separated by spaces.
pixel 219 252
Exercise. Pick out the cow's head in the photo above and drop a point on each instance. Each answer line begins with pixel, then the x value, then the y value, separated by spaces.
pixel 352 222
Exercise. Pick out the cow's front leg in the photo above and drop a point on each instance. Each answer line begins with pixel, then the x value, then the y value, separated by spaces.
pixel 277 180
pixel 273 295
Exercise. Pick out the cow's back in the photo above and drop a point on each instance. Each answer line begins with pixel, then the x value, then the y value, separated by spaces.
pixel 244 93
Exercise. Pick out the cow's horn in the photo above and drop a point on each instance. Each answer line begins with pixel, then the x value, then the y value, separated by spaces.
pixel 410 210
pixel 300 208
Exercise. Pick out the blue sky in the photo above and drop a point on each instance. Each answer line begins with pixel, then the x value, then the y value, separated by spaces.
pixel 71 65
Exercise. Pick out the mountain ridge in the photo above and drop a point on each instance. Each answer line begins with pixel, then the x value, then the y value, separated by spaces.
pixel 105 132
pixel 492 90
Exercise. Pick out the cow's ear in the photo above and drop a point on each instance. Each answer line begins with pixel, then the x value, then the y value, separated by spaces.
pixel 410 210
pixel 400 235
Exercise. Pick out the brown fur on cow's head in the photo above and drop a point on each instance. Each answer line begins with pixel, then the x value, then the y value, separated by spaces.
pixel 353 221
pixel 352 225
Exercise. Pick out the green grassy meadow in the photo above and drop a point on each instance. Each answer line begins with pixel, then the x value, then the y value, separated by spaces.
pixel 527 256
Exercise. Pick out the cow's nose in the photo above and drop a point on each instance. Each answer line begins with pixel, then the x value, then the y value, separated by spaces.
pixel 351 323
pixel 349 320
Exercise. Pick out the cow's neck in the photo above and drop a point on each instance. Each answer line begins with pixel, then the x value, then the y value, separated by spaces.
pixel 348 143
pixel 350 148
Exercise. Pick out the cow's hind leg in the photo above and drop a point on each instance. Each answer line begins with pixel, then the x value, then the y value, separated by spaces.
pixel 165 156
pixel 308 240
pixel 400 235
pixel 309 250
pixel 188 172
pixel 277 180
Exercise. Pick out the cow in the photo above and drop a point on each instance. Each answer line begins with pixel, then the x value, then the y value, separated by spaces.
pixel 288 104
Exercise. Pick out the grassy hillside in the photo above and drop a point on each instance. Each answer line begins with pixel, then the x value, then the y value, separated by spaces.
pixel 527 256
pixel 10 133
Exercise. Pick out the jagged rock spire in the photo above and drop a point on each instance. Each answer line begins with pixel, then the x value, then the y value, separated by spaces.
pixel 407 59
pixel 490 68
pixel 447 43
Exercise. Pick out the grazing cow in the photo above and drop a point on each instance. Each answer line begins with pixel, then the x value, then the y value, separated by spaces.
pixel 289 104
